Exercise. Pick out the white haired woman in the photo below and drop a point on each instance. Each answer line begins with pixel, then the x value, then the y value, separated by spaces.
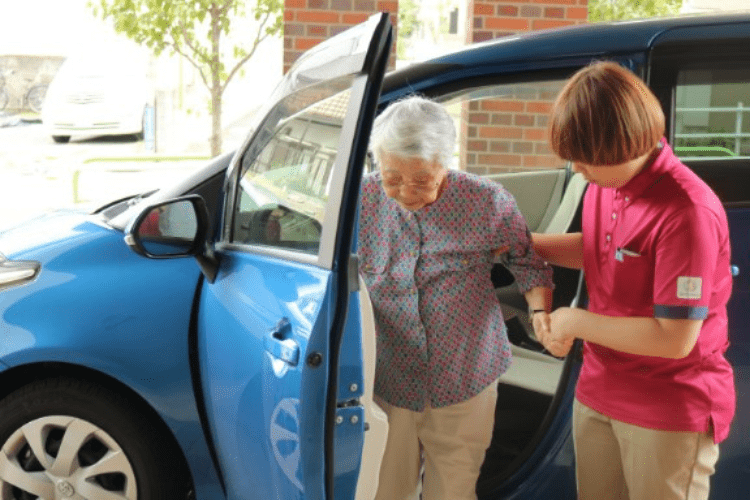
pixel 428 237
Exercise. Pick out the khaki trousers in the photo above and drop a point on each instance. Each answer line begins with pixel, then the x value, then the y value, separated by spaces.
pixel 615 460
pixel 448 444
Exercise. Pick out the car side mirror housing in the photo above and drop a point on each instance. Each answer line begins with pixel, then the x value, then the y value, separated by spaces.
pixel 171 229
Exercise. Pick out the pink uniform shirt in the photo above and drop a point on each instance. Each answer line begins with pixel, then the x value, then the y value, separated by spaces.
pixel 659 247
pixel 441 336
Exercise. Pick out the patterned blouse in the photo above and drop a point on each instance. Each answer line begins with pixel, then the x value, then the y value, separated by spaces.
pixel 441 337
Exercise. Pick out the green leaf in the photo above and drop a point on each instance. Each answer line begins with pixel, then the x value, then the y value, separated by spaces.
pixel 615 10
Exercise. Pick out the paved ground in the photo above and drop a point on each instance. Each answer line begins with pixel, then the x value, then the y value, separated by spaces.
pixel 38 175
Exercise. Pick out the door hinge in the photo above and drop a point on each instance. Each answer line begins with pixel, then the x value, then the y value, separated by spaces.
pixel 353 272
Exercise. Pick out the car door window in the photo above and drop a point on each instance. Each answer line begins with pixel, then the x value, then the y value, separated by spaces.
pixel 285 183
pixel 704 88
pixel 712 113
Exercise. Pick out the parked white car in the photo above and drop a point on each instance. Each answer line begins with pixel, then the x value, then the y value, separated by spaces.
pixel 99 93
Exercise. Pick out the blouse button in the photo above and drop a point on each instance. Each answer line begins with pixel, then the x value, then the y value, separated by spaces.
pixel 614 216
pixel 627 199
pixel 609 237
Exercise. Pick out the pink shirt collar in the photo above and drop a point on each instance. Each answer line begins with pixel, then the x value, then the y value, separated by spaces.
pixel 650 174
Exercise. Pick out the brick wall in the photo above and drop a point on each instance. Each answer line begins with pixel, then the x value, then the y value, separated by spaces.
pixel 510 134
pixel 506 135
pixel 496 18
pixel 309 22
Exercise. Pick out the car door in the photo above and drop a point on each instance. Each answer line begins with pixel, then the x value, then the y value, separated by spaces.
pixel 284 420
pixel 702 77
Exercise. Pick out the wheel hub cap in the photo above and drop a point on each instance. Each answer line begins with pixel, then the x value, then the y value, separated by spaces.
pixel 64 457
pixel 65 489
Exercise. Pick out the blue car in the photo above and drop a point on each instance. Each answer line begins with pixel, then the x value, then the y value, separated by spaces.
pixel 212 340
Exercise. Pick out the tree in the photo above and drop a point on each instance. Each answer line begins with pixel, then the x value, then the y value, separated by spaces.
pixel 194 30
pixel 612 10
pixel 408 25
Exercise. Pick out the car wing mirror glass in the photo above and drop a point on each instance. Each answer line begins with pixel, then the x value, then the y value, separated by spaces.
pixel 175 228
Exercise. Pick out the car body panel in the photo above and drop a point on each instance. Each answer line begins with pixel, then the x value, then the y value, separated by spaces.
pixel 732 472
pixel 140 340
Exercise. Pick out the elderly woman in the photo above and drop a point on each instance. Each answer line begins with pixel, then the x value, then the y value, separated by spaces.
pixel 428 237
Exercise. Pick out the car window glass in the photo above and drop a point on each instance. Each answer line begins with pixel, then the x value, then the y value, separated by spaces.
pixel 712 113
pixel 284 187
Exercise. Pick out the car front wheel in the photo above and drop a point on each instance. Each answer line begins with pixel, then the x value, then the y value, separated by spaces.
pixel 65 438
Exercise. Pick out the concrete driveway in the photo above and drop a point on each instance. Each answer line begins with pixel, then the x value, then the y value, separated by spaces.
pixel 37 175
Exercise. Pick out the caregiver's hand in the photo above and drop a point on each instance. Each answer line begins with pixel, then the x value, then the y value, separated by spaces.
pixel 559 339
pixel 541 322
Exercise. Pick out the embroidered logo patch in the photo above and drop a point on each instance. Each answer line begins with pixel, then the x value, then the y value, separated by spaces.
pixel 689 287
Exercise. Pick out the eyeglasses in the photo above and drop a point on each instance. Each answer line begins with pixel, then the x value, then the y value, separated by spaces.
pixel 424 186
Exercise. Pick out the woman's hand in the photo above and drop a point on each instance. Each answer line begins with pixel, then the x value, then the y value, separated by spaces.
pixel 560 337
pixel 541 323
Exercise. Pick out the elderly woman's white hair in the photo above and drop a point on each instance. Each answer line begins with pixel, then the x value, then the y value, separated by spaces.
pixel 414 127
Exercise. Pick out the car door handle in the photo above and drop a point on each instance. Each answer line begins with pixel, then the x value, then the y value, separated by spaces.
pixel 280 344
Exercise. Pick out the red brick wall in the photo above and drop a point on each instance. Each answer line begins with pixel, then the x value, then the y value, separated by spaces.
pixel 309 22
pixel 496 18
pixel 505 135
pixel 510 135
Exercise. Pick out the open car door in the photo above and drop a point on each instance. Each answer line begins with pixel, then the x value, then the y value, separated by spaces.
pixel 281 401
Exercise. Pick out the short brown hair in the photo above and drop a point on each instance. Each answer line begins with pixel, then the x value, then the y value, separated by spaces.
pixel 605 115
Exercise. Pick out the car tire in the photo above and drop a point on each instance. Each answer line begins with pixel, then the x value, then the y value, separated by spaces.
pixel 61 139
pixel 64 437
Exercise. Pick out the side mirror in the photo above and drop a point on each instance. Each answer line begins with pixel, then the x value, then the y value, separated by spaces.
pixel 171 229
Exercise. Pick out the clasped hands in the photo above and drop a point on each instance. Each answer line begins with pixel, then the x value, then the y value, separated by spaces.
pixel 556 330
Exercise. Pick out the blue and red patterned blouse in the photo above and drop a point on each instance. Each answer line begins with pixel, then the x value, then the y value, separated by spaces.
pixel 441 337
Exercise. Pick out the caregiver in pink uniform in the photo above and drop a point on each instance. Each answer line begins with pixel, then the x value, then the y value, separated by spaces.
pixel 655 394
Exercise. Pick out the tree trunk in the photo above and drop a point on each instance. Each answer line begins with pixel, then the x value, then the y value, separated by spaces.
pixel 215 121
pixel 216 90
